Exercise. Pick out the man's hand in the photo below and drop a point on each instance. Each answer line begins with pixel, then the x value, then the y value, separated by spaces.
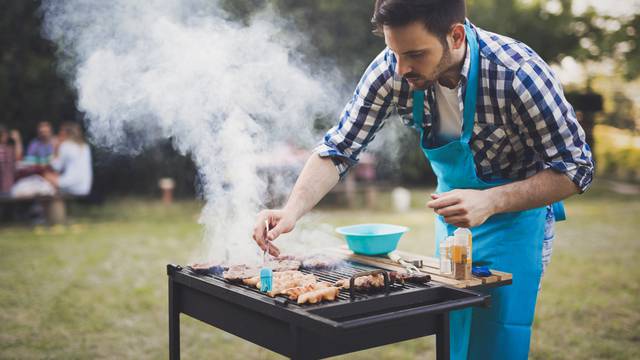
pixel 280 222
pixel 463 208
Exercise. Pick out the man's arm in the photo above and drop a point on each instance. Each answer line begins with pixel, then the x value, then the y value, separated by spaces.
pixel 469 208
pixel 360 120
pixel 547 121
pixel 318 176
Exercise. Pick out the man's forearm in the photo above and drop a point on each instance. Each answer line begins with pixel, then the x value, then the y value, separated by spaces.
pixel 544 188
pixel 318 176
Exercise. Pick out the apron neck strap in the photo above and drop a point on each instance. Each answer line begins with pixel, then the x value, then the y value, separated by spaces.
pixel 471 93
pixel 418 108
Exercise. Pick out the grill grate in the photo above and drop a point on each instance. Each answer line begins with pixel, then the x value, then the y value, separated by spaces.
pixel 345 270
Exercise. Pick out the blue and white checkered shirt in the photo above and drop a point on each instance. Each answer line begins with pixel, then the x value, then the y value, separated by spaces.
pixel 523 122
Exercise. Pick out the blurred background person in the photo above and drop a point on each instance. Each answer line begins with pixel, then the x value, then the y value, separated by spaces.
pixel 71 162
pixel 40 148
pixel 10 153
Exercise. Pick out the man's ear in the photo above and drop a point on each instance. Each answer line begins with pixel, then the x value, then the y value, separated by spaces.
pixel 458 36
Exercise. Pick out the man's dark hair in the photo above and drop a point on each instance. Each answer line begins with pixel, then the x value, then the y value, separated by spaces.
pixel 438 16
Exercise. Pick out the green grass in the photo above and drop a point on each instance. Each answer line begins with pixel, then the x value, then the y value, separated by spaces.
pixel 98 289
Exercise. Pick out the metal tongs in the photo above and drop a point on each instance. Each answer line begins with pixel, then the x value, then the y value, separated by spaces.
pixel 411 267
pixel 266 248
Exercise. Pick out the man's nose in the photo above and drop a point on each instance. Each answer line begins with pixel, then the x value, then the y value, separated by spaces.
pixel 403 67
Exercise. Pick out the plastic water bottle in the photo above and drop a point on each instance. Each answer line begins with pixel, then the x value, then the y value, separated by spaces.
pixel 445 255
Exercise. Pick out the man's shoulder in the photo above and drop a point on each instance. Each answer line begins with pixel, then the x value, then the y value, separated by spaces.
pixel 507 53
pixel 384 61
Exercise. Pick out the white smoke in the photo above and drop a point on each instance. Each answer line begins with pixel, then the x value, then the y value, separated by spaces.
pixel 222 91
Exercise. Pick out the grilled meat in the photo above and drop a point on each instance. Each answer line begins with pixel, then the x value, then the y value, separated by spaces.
pixel 320 262
pixel 372 282
pixel 367 282
pixel 295 292
pixel 402 277
pixel 328 293
pixel 239 272
pixel 283 264
pixel 207 268
pixel 285 280
pixel 252 281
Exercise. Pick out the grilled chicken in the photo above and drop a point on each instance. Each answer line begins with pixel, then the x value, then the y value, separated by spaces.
pixel 370 282
pixel 285 280
pixel 295 292
pixel 242 272
pixel 282 264
pixel 402 277
pixel 363 282
pixel 239 272
pixel 320 262
pixel 328 293
pixel 207 268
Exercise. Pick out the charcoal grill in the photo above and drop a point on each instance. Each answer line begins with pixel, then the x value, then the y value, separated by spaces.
pixel 366 320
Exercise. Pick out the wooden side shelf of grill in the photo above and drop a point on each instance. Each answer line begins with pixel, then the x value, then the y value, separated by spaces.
pixel 430 265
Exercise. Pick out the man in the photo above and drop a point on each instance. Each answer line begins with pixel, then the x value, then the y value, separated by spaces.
pixel 40 149
pixel 500 136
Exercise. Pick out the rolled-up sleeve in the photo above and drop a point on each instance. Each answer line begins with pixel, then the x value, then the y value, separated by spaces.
pixel 363 116
pixel 548 123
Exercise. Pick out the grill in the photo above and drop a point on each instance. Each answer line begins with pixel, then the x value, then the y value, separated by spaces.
pixel 355 321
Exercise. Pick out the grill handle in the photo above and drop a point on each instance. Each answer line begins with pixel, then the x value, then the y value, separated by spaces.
pixel 479 300
pixel 353 278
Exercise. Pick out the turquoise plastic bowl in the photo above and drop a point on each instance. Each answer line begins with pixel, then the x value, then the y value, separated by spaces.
pixel 372 239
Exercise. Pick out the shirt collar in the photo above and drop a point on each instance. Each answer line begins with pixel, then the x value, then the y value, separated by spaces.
pixel 464 72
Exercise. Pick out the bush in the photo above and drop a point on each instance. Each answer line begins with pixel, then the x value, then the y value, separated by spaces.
pixel 617 154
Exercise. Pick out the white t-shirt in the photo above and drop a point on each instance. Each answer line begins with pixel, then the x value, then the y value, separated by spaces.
pixel 450 114
pixel 74 165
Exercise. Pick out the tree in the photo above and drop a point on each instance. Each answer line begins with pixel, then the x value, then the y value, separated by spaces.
pixel 30 88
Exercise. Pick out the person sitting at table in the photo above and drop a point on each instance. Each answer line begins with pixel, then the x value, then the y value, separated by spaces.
pixel 71 161
pixel 10 152
pixel 40 149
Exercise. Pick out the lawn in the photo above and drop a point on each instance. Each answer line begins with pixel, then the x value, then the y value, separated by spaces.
pixel 97 289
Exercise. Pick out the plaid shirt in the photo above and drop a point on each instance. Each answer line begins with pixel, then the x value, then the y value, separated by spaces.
pixel 523 122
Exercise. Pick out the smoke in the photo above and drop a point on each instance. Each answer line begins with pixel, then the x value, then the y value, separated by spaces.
pixel 225 93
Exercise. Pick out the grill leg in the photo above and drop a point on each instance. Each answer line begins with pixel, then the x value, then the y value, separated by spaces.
pixel 442 338
pixel 174 324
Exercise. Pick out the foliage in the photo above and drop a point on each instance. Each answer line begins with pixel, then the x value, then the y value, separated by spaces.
pixel 623 115
pixel 624 46
pixel 618 154
pixel 30 88
pixel 337 34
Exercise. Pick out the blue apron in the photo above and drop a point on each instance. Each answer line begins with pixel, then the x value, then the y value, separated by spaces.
pixel 510 242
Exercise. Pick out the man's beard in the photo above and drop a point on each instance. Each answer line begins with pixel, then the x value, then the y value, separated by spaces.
pixel 444 65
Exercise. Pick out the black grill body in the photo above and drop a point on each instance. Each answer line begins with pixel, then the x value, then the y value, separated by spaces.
pixel 320 330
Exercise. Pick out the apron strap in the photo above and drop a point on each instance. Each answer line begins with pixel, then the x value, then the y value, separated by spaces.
pixel 558 211
pixel 471 94
pixel 418 108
